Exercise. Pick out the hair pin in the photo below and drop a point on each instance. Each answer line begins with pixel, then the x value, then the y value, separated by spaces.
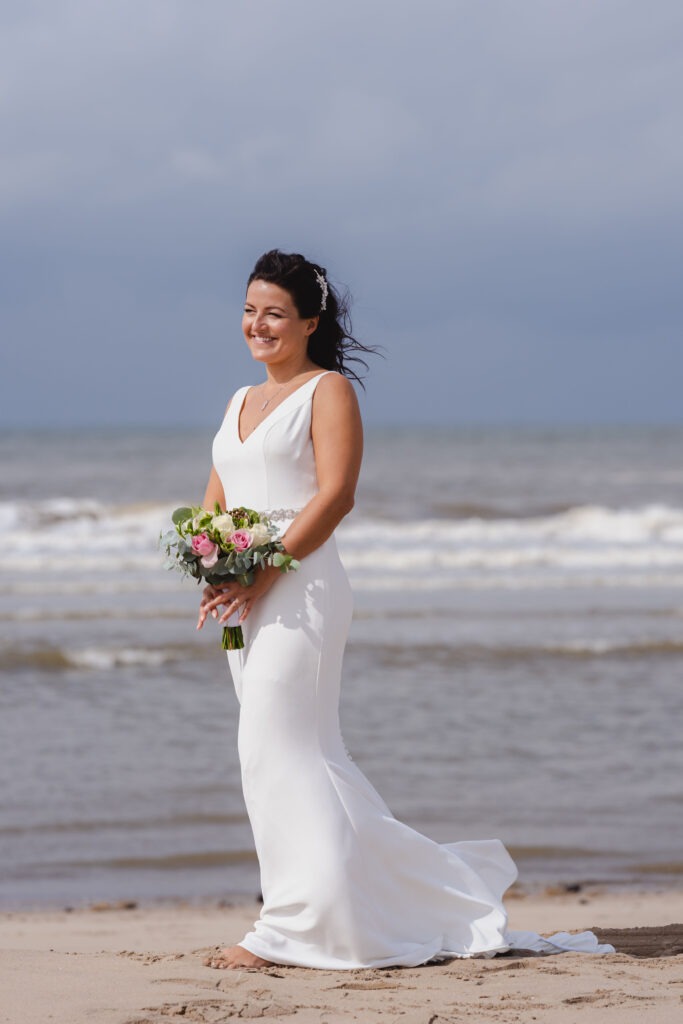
pixel 323 288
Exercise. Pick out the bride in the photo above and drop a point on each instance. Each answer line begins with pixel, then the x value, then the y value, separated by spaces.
pixel 345 885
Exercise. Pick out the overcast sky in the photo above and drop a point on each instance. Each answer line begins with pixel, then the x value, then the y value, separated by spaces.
pixel 498 182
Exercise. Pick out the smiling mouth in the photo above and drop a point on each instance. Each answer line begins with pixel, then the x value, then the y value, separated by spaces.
pixel 261 337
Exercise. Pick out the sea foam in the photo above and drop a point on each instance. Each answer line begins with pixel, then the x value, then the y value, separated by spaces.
pixel 71 539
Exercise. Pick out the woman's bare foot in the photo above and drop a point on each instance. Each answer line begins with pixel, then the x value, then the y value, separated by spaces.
pixel 234 957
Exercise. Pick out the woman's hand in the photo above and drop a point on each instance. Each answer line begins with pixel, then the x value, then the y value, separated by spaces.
pixel 211 598
pixel 235 597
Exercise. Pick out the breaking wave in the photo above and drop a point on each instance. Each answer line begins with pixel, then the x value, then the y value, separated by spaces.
pixel 85 540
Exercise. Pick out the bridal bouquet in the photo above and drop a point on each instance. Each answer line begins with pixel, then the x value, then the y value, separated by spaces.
pixel 217 546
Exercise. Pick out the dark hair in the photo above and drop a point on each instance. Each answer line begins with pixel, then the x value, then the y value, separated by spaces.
pixel 331 345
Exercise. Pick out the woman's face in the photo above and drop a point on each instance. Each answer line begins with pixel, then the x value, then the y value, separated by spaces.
pixel 272 327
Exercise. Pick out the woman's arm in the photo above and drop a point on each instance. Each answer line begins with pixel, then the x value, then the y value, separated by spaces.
pixel 337 434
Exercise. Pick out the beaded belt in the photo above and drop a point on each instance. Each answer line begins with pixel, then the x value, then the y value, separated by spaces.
pixel 280 513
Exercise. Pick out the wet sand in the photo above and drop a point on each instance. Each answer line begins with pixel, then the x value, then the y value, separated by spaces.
pixel 143 965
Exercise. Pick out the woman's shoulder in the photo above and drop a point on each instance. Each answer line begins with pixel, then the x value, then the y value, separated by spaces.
pixel 334 392
pixel 333 383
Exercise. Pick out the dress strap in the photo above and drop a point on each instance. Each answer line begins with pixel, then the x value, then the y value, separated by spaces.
pixel 235 403
pixel 318 376
pixel 310 387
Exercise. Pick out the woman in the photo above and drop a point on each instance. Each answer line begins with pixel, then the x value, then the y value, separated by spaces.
pixel 345 884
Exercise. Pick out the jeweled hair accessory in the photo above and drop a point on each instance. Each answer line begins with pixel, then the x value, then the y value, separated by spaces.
pixel 320 278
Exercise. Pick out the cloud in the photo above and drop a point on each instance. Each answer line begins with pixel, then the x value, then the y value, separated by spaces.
pixel 508 171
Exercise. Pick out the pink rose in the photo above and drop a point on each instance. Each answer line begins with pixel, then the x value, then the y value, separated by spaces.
pixel 201 545
pixel 241 539
pixel 208 561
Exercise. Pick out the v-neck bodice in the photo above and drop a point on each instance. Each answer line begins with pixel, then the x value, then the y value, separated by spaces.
pixel 274 467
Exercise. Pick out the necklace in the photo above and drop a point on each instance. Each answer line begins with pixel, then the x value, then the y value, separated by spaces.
pixel 274 395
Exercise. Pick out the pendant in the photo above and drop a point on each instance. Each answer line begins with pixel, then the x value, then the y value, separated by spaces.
pixel 269 400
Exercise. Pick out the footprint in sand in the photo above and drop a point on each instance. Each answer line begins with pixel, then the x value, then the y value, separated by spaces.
pixel 364 986
pixel 150 958
pixel 212 1011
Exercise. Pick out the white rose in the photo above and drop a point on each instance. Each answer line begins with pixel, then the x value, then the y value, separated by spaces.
pixel 201 520
pixel 224 525
pixel 259 534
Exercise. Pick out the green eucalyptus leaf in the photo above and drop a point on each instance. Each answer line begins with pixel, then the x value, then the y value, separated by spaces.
pixel 181 515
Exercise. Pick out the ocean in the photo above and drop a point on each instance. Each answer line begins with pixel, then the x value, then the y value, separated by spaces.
pixel 515 667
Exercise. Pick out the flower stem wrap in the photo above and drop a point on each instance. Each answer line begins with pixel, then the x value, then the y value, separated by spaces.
pixel 233 638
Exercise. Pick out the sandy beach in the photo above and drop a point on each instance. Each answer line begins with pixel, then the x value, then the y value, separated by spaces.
pixel 112 964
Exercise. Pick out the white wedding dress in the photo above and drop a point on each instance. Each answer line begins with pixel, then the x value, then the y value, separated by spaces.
pixel 345 885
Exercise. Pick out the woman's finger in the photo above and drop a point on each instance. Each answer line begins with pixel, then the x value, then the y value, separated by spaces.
pixel 214 606
pixel 213 593
pixel 212 597
pixel 231 608
pixel 204 611
pixel 227 598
